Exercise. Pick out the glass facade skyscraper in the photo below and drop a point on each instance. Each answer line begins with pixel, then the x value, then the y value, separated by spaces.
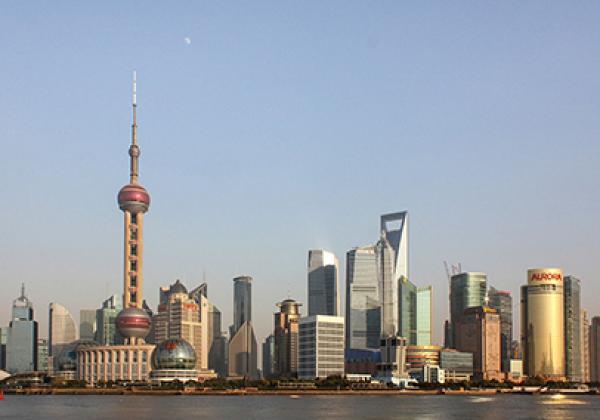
pixel 502 302
pixel 572 303
pixel 106 328
pixel 363 310
pixel 323 283
pixel 467 290
pixel 22 337
pixel 424 315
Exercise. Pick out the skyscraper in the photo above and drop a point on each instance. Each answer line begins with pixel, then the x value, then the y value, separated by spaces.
pixel 286 338
pixel 242 345
pixel 323 283
pixel 22 337
pixel 87 324
pixel 478 332
pixel 585 346
pixel 572 320
pixel 595 349
pixel 179 318
pixel 363 309
pixel 268 357
pixel 542 324
pixel 106 321
pixel 467 290
pixel 501 301
pixel 424 315
pixel 242 301
pixel 392 271
pixel 61 332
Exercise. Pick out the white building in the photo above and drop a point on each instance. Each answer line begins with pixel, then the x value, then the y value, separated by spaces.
pixel 321 349
pixel 433 374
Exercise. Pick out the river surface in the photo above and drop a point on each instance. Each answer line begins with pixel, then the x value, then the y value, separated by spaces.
pixel 90 407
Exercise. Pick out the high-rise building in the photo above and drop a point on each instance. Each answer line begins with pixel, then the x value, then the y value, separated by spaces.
pixel 179 318
pixel 131 361
pixel 595 349
pixel 572 320
pixel 478 332
pixel 216 355
pixel 61 332
pixel 321 346
pixel 585 346
pixel 323 283
pixel 268 357
pixel 393 358
pixel 392 270
pixel 242 344
pixel 424 316
pixel 106 321
pixel 363 309
pixel 502 302
pixel 242 301
pixel 467 290
pixel 286 338
pixel 43 358
pixel 542 324
pixel 87 324
pixel 3 338
pixel 22 337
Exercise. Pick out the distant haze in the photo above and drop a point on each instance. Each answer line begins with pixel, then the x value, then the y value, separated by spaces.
pixel 287 126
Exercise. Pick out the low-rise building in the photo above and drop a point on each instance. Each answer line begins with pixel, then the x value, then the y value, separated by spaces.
pixel 457 365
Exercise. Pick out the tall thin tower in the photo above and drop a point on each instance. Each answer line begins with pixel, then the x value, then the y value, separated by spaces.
pixel 133 322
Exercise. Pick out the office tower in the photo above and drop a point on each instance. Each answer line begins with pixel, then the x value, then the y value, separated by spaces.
pixel 22 337
pixel 131 361
pixel 61 332
pixel 572 320
pixel 3 338
pixel 323 283
pixel 268 357
pixel 467 290
pixel 221 348
pixel 542 324
pixel 242 301
pixel 43 350
pixel 595 349
pixel 585 346
pixel 179 318
pixel 424 316
pixel 286 338
pixel 458 365
pixel 363 310
pixel 501 301
pixel 242 344
pixel 216 355
pixel 106 321
pixel 87 324
pixel 321 346
pixel 478 332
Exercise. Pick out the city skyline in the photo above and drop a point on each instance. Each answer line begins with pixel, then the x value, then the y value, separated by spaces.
pixel 453 117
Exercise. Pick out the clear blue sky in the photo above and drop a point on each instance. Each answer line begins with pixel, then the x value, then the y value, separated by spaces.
pixel 285 126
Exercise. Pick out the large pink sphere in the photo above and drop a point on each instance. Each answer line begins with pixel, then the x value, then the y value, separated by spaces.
pixel 134 198
pixel 133 322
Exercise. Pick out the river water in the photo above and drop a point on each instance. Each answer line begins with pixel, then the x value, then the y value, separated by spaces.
pixel 92 407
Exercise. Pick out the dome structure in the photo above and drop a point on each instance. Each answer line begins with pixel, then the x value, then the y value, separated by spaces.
pixel 174 353
pixel 134 198
pixel 133 322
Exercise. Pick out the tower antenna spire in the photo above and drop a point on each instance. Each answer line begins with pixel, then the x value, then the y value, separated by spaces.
pixel 134 150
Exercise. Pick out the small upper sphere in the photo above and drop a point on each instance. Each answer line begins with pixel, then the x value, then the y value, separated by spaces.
pixel 174 353
pixel 134 198
pixel 133 322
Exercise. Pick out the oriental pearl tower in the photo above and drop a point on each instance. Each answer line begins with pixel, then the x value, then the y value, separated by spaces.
pixel 133 322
